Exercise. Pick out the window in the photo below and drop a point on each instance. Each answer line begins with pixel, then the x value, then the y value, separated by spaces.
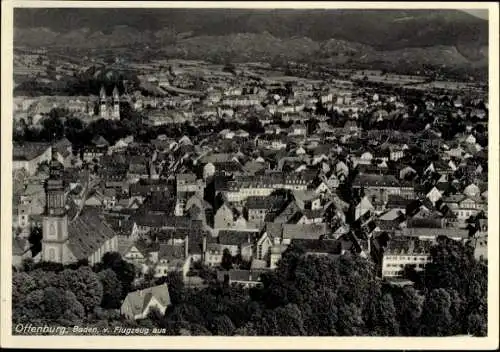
pixel 52 255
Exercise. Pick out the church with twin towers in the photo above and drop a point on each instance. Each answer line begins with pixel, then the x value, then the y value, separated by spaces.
pixel 109 107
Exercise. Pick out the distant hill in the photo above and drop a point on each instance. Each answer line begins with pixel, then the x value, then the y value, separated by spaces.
pixel 450 36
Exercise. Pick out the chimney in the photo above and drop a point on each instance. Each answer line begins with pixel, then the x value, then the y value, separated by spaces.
pixel 186 246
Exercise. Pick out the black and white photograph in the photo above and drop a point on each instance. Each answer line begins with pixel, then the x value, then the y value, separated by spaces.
pixel 238 171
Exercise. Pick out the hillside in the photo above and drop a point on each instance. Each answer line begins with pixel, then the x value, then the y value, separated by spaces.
pixel 384 29
pixel 436 37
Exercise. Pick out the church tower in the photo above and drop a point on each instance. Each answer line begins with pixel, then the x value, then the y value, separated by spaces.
pixel 103 104
pixel 55 220
pixel 116 104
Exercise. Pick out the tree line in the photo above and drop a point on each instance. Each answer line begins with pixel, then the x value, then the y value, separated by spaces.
pixel 306 296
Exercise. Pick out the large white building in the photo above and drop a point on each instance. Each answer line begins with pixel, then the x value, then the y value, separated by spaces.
pixel 404 251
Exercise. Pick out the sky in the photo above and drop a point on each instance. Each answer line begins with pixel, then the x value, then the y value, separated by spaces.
pixel 478 13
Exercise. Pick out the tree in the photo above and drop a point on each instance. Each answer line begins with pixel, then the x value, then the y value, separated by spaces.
pixel 386 323
pixel 52 305
pixel 124 271
pixel 175 284
pixel 73 128
pixel 477 325
pixel 350 320
pixel 436 317
pixel 52 128
pixel 408 304
pixel 35 240
pixel 86 286
pixel 112 289
pixel 22 284
pixel 282 321
pixel 227 260
pixel 246 330
pixel 222 326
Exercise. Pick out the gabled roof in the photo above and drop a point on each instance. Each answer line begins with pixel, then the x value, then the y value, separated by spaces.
pixel 137 301
pixel 87 233
pixel 171 251
pixel 304 231
pixel 235 238
pixel 405 245
pixel 318 246
pixel 100 141
pixel 374 180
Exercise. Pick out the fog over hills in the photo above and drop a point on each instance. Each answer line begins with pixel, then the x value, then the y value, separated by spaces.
pixel 456 37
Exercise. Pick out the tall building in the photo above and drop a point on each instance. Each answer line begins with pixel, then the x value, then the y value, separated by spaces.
pixel 116 104
pixel 109 108
pixel 84 237
pixel 103 104
pixel 55 220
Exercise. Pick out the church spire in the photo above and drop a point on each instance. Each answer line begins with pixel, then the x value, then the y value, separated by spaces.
pixel 54 187
pixel 102 93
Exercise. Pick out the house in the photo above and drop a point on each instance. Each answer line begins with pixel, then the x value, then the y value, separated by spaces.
pixel 31 203
pixel 308 199
pixel 318 247
pixel 29 155
pixel 151 221
pixel 188 182
pixel 64 150
pixel 98 148
pixel 432 233
pixel 341 170
pixel 351 126
pixel 20 251
pixel 228 217
pixel 138 304
pixel 138 253
pixel 434 195
pixel 245 278
pixel 259 207
pixel 401 252
pixel 472 190
pixel 213 254
pixel 362 208
pixel 378 187
pixel 121 145
pixel 172 257
pixel 297 130
pixel 197 208
pixel 270 245
pixel 237 242
pixel 464 206
pixel 275 255
pixel 480 245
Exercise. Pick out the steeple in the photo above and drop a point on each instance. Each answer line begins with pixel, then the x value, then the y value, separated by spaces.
pixel 55 219
pixel 116 104
pixel 54 188
pixel 102 93
pixel 103 108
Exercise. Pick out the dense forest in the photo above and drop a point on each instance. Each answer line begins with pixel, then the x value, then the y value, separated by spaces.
pixel 306 295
